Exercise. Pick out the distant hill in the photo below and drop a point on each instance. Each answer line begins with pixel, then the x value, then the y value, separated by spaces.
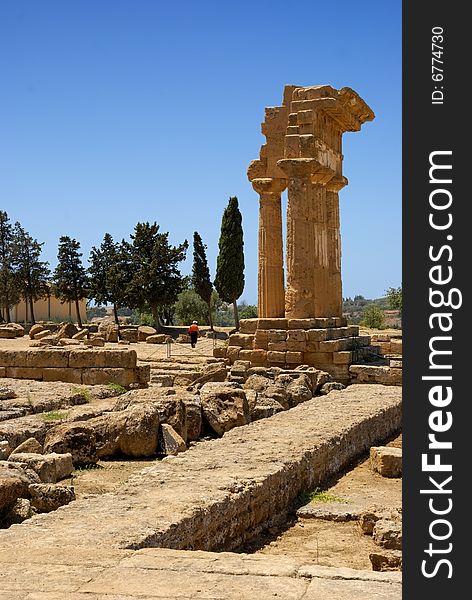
pixel 353 309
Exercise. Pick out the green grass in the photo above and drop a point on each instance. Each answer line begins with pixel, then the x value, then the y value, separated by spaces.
pixel 53 415
pixel 117 388
pixel 86 395
pixel 318 495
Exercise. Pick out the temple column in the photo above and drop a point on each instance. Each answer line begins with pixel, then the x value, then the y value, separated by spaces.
pixel 334 244
pixel 306 294
pixel 271 294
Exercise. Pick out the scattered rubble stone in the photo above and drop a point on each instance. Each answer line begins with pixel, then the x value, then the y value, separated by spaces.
pixel 48 497
pixel 330 386
pixel 170 441
pixel 30 445
pixel 388 534
pixel 386 460
pixel 224 406
pixel 386 560
pixel 78 439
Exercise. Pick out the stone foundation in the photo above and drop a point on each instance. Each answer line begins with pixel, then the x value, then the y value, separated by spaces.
pixel 80 366
pixel 326 343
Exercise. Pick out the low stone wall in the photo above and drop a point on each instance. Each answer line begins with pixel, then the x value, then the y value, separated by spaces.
pixel 79 366
pixel 387 344
pixel 222 493
pixel 385 375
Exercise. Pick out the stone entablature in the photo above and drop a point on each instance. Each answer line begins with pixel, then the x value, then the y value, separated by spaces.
pixel 76 365
pixel 303 153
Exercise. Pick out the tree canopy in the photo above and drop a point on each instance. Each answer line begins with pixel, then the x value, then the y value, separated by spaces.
pixel 71 283
pixel 229 280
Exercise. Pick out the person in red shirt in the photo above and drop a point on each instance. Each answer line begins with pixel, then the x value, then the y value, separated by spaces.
pixel 193 333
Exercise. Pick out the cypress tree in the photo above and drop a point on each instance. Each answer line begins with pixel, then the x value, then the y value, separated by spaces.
pixel 32 273
pixel 229 280
pixel 201 274
pixel 9 293
pixel 70 276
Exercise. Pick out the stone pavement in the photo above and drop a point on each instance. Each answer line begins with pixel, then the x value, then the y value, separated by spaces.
pixel 216 496
pixel 71 573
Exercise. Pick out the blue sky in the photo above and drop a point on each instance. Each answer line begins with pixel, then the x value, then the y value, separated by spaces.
pixel 119 111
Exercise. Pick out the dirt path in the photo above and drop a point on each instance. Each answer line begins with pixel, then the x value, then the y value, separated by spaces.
pixel 338 544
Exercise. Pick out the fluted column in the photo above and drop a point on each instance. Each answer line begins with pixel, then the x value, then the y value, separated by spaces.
pixel 334 245
pixel 306 294
pixel 271 294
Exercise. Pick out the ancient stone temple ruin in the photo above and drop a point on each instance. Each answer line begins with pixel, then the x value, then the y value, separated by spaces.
pixel 301 322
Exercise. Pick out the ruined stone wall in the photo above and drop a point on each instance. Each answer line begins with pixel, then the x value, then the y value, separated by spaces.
pixel 326 343
pixel 80 366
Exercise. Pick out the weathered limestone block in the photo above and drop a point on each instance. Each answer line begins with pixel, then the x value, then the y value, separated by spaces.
pixel 69 342
pixel 388 534
pixel 132 432
pixel 193 416
pixel 264 407
pixel 16 431
pixel 276 336
pixel 342 358
pixel 42 464
pixel 109 330
pixel 386 460
pixel 224 406
pixel 42 334
pixel 143 374
pixel 386 560
pixel 48 497
pixel 7 333
pixel 261 339
pixel 232 353
pixel 35 329
pixel 104 376
pixel 13 484
pixel 259 357
pixel 220 351
pixel 294 358
pixel 120 359
pixel 170 442
pixel 5 450
pixel 276 357
pixel 67 330
pixel 24 373
pixel 77 439
pixel 212 372
pixel 80 335
pixel 272 324
pixel 79 358
pixel 248 325
pixel 64 374
pixel 31 445
pixel 317 358
pixel 171 408
pixel 144 332
pixel 130 335
pixel 47 357
pixel 277 346
pixel 242 340
pixel 330 386
pixel 19 512
pixel 396 346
